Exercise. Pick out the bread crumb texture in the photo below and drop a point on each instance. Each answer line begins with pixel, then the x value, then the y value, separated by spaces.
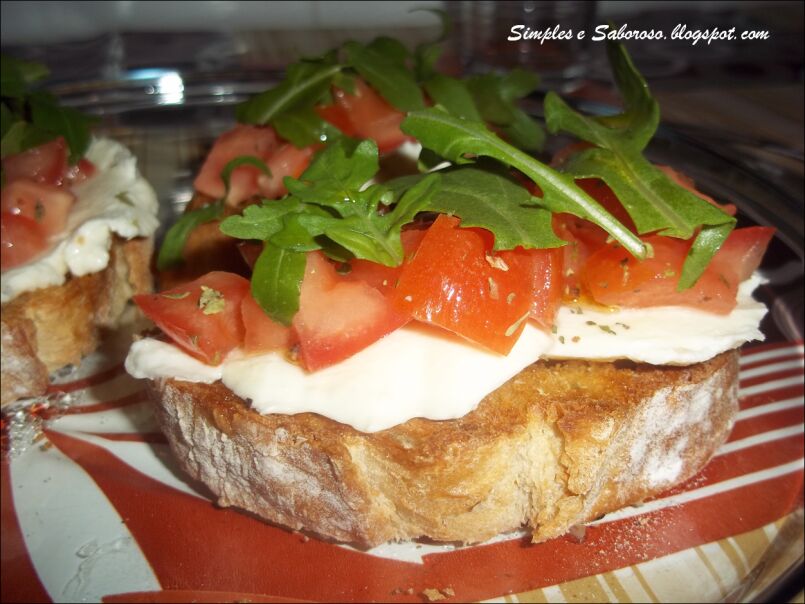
pixel 560 444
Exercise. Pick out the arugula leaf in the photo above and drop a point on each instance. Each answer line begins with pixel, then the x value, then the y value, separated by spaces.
pixel 277 282
pixel 391 48
pixel 386 74
pixel 303 127
pixel 456 139
pixel 335 181
pixel 299 231
pixel 336 173
pixel 427 53
pixel 524 132
pixel 492 106
pixel 425 60
pixel 16 76
pixel 30 119
pixel 492 200
pixel 517 84
pixel 453 95
pixel 496 97
pixel 372 236
pixel 630 130
pixel 305 84
pixel 707 243
pixel 74 126
pixel 6 119
pixel 261 221
pixel 654 202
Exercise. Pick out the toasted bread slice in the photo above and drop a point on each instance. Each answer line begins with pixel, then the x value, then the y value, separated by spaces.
pixel 559 444
pixel 46 329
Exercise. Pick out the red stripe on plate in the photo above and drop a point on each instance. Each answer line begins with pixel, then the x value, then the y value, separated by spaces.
pixel 88 381
pixel 767 422
pixel 748 351
pixel 135 437
pixel 20 582
pixel 781 359
pixel 768 377
pixel 771 396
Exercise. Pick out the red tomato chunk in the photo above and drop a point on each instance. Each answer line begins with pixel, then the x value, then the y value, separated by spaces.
pixel 262 334
pixel 455 281
pixel 337 316
pixel 365 114
pixel 21 239
pixel 47 205
pixel 257 141
pixel 45 164
pixel 286 161
pixel 203 316
pixel 613 277
pixel 247 181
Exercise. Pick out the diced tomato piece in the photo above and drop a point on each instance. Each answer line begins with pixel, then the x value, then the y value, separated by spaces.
pixel 687 182
pixel 46 205
pixel 207 328
pixel 366 114
pixel 545 268
pixel 286 161
pixel 456 282
pixel 614 277
pixel 257 141
pixel 21 240
pixel 338 317
pixel 742 252
pixel 44 164
pixel 262 334
pixel 338 117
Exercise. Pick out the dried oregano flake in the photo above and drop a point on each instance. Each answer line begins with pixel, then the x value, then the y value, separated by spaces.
pixel 211 301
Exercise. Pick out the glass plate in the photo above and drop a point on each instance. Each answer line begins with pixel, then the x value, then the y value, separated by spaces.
pixel 96 509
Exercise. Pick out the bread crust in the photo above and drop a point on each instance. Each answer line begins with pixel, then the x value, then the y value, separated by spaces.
pixel 46 329
pixel 561 443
